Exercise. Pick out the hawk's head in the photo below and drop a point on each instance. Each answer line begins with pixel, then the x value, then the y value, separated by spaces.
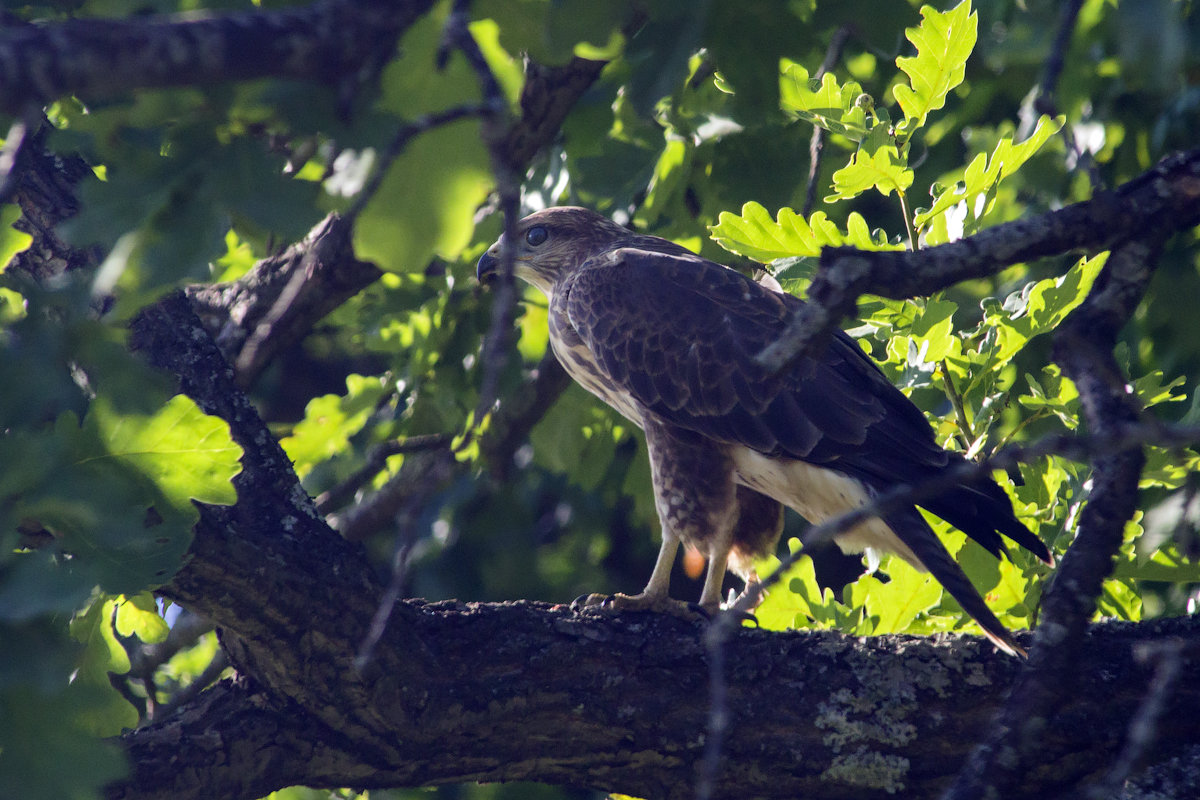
pixel 553 242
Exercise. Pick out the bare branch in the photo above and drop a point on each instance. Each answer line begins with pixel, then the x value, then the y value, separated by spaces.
pixel 1045 103
pixel 376 460
pixel 817 143
pixel 1168 658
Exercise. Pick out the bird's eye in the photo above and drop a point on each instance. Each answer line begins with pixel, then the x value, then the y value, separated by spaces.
pixel 536 235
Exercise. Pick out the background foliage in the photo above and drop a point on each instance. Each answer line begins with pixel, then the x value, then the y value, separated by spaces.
pixel 698 130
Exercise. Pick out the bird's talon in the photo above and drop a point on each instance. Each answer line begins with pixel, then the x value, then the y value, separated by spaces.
pixel 744 616
pixel 591 602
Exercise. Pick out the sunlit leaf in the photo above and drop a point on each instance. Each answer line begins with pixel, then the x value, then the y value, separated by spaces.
pixel 138 616
pixel 755 235
pixel 883 170
pixel 983 173
pixel 824 103
pixel 944 41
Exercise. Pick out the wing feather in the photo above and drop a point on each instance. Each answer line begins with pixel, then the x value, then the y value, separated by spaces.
pixel 680 335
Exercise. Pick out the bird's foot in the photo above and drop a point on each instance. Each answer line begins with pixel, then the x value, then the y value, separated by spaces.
pixel 660 604
pixel 741 607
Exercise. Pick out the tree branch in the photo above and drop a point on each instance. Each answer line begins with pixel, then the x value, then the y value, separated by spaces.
pixel 1168 195
pixel 812 714
pixel 330 42
pixel 1084 348
pixel 278 301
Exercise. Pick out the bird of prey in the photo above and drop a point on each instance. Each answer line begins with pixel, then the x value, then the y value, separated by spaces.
pixel 668 339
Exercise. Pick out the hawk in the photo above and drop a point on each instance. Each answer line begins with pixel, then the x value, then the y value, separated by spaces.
pixel 668 339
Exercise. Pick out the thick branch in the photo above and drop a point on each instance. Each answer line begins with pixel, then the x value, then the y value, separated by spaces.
pixel 813 714
pixel 327 42
pixel 282 297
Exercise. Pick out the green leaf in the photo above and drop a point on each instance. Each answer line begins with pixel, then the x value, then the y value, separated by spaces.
pixel 12 241
pixel 188 454
pixel 1040 307
pixel 860 236
pixel 983 174
pixel 1119 599
pixel 102 654
pixel 330 420
pixel 426 203
pixel 933 329
pixel 552 32
pixel 1055 394
pixel 894 605
pixel 44 730
pixel 1151 390
pixel 1168 469
pixel 797 600
pixel 118 489
pixel 884 170
pixel 1166 565
pixel 37 582
pixel 944 41
pixel 746 41
pixel 755 235
pixel 138 616
pixel 825 103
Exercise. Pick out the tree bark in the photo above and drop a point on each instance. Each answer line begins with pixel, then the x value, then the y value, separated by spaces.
pixel 525 691
pixel 330 41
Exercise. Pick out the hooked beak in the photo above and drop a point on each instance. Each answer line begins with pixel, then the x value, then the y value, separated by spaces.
pixel 488 268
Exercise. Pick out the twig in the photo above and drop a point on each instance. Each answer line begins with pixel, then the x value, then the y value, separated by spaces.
pixel 497 345
pixel 960 410
pixel 406 538
pixel 218 664
pixel 1068 14
pixel 344 492
pixel 715 639
pixel 913 244
pixel 493 113
pixel 1045 102
pixel 816 144
pixel 1083 347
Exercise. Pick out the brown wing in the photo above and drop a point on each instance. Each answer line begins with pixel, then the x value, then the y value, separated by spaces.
pixel 680 333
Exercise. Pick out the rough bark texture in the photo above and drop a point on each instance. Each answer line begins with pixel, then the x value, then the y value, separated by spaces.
pixel 330 42
pixel 282 297
pixel 524 691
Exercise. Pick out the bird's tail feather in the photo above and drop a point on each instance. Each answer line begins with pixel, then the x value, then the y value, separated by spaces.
pixel 915 532
pixel 982 510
